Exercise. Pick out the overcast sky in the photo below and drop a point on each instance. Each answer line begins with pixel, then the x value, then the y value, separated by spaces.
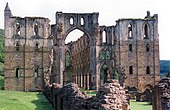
pixel 109 12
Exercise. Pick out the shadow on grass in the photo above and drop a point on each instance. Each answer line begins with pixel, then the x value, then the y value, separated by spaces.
pixel 42 103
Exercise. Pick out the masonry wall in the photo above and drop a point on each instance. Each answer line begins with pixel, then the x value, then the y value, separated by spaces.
pixel 144 54
pixel 26 52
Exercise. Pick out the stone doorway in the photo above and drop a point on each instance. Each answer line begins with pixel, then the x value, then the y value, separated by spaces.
pixel 104 74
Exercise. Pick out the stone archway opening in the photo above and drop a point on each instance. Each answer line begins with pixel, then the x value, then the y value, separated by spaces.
pixel 104 74
pixel 73 36
pixel 77 62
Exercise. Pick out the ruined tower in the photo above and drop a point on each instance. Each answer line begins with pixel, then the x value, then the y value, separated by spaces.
pixel 26 51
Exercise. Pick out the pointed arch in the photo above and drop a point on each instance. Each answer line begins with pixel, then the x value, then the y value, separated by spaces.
pixel 130 33
pixel 105 72
pixel 146 31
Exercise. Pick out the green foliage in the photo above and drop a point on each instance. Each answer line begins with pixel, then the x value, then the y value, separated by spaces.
pixel 1 82
pixel 2 36
pixel 13 100
pixel 164 66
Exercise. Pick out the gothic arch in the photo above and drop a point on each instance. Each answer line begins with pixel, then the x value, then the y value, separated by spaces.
pixel 79 28
pixel 105 72
pixel 149 87
pixel 146 30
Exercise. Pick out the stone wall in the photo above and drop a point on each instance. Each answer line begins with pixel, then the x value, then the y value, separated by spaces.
pixel 111 96
pixel 161 95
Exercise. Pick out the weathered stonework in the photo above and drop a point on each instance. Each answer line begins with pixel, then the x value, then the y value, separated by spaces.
pixel 127 51
pixel 111 96
pixel 26 53
pixel 161 94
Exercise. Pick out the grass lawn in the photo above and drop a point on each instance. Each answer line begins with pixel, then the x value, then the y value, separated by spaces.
pixel 140 105
pixel 13 100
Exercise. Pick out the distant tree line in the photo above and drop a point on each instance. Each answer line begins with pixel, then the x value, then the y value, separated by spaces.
pixel 164 66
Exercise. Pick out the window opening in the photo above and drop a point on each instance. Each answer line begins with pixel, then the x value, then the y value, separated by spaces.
pixel 82 21
pixel 147 70
pixel 130 31
pixel 18 29
pixel 18 73
pixel 147 48
pixel 130 47
pixel 17 46
pixel 71 21
pixel 145 31
pixel 104 37
pixel 36 29
pixel 36 46
pixel 36 72
pixel 130 70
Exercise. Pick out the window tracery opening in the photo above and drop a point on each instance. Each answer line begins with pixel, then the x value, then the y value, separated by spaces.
pixel 104 55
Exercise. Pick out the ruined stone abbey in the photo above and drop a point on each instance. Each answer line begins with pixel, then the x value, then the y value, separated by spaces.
pixel 36 53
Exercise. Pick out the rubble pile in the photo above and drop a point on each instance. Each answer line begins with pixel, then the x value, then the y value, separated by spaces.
pixel 111 96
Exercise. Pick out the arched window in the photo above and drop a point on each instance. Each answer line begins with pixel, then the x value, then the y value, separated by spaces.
pixel 130 47
pixel 17 72
pixel 18 32
pixel 82 21
pixel 146 31
pixel 131 70
pixel 147 48
pixel 130 31
pixel 71 21
pixel 36 46
pixel 104 37
pixel 36 29
pixel 35 72
pixel 17 46
pixel 147 70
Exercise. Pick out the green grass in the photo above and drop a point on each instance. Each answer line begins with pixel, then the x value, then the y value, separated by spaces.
pixel 140 105
pixel 13 100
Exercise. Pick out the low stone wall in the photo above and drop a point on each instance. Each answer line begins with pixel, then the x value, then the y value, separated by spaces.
pixel 111 96
pixel 161 95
